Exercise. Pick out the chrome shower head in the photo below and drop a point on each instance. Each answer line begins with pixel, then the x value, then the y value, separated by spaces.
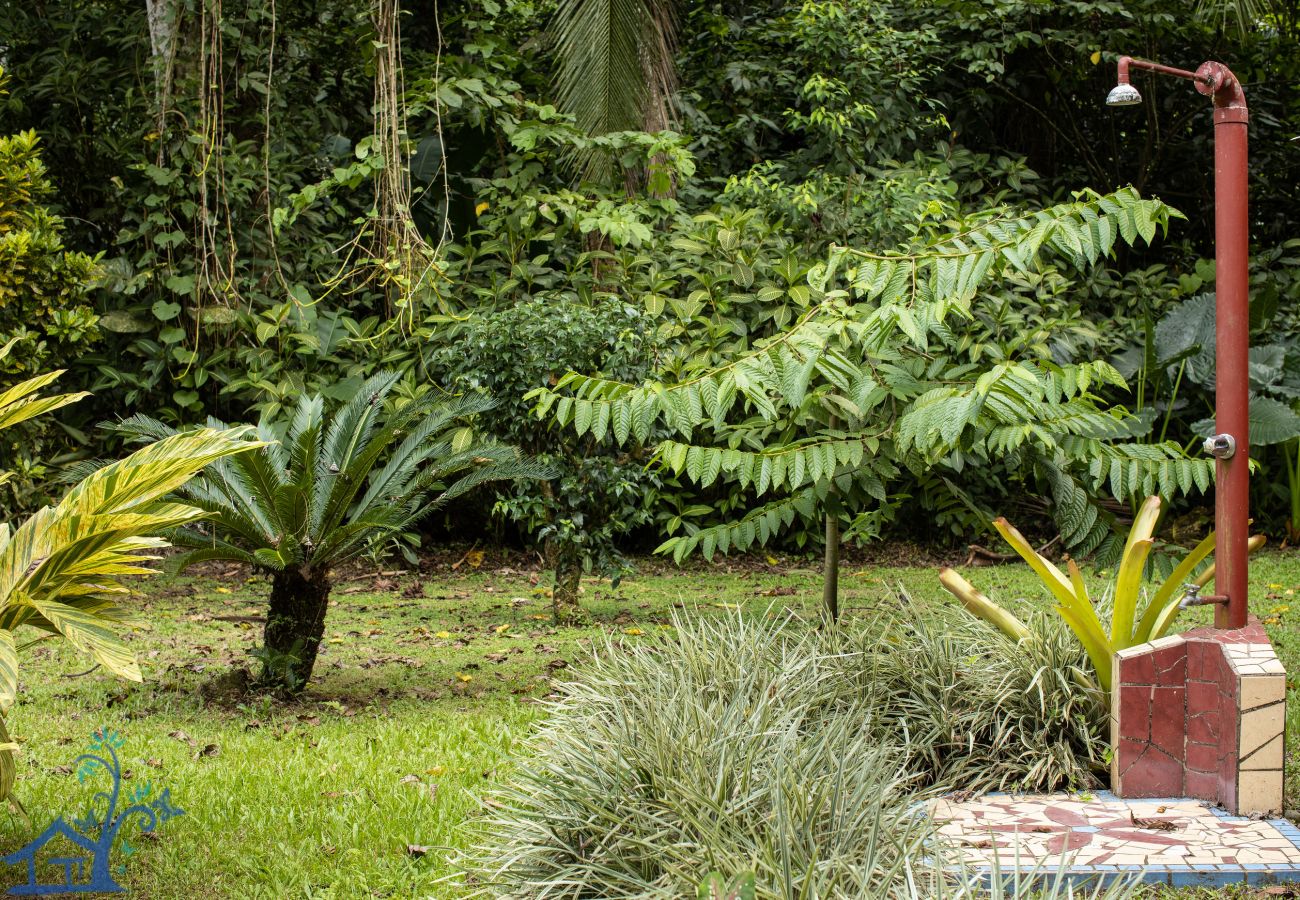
pixel 1123 94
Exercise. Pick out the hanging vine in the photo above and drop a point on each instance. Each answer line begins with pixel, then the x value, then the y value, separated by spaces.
pixel 404 261
pixel 215 248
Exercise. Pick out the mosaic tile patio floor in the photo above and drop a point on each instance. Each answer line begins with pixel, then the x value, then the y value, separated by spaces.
pixel 1099 837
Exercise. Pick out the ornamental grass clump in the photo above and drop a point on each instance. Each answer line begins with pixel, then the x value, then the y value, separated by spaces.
pixel 971 710
pixel 770 746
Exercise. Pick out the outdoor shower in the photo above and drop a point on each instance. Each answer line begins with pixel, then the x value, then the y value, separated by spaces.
pixel 1231 445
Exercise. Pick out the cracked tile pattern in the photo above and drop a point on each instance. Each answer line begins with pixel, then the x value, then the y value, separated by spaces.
pixel 1173 841
pixel 1201 714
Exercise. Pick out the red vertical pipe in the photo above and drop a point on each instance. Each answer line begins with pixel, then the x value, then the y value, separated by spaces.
pixel 1232 340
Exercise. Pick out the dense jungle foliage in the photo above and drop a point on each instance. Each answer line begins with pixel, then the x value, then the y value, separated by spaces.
pixel 263 199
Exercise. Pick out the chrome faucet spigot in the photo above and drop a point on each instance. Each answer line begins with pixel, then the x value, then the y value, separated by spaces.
pixel 1220 446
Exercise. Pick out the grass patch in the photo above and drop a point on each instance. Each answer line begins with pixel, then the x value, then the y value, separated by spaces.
pixel 308 799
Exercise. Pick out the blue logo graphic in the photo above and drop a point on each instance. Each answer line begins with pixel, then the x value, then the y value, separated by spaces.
pixel 86 845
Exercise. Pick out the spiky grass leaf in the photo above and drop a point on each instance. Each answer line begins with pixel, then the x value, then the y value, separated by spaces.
pixel 772 746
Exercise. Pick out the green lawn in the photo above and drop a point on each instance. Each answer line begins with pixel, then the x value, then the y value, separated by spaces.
pixel 425 688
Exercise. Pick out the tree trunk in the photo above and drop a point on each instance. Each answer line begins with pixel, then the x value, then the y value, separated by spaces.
pixel 163 16
pixel 831 566
pixel 564 594
pixel 831 569
pixel 295 625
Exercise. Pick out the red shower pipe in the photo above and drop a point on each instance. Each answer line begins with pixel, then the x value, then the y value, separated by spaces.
pixel 1231 444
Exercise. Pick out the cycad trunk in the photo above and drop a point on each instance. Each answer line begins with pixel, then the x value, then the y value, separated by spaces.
pixel 295 625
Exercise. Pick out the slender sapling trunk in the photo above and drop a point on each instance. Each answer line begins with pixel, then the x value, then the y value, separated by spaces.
pixel 831 570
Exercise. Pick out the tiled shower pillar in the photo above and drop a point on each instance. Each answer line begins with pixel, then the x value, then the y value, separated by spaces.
pixel 1201 714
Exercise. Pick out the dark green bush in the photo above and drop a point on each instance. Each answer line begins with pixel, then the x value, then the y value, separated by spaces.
pixel 601 492
pixel 46 317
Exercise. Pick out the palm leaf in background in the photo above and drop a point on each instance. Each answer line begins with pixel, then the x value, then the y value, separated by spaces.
pixel 614 68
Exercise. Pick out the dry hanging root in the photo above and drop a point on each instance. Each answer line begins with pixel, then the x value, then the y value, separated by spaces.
pixel 216 255
pixel 404 261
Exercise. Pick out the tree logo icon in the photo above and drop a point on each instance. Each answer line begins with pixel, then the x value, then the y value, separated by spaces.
pixel 80 852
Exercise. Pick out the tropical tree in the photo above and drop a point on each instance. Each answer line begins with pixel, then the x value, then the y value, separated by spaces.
pixel 317 496
pixel 614 67
pixel 876 379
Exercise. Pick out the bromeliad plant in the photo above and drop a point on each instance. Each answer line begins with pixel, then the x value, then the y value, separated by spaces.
pixel 337 484
pixel 1130 622
pixel 61 569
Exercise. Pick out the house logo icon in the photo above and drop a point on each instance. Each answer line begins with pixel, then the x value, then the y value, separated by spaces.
pixel 76 857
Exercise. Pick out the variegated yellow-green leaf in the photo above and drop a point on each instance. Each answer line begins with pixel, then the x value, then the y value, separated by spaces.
pixel 979 605
pixel 8 671
pixel 8 769
pixel 1074 605
pixel 89 633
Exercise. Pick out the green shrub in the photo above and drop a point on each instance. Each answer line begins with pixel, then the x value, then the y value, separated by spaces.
pixel 600 493
pixel 767 746
pixel 45 315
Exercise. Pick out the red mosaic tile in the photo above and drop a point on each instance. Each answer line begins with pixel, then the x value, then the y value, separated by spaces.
pixel 1228 791
pixel 1067 841
pixel 1195 660
pixel 1201 785
pixel 1153 774
pixel 1202 697
pixel 1129 753
pixel 1135 712
pixel 1170 664
pixel 1203 729
pixel 1169 720
pixel 1227 764
pixel 1202 758
pixel 1176 673
pixel 1228 682
pixel 1137 670
pixel 1065 816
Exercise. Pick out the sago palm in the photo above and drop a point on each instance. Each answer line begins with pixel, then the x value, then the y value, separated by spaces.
pixel 60 569
pixel 327 490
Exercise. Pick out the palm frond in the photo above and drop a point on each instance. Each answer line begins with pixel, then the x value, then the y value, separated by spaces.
pixel 57 567
pixel 614 66
pixel 325 492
